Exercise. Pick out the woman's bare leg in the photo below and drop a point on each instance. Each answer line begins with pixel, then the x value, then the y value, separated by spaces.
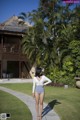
pixel 37 104
pixel 41 104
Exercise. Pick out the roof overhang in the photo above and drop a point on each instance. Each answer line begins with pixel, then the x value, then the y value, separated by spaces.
pixel 5 32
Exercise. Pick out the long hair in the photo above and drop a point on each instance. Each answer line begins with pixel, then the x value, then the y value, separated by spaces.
pixel 38 72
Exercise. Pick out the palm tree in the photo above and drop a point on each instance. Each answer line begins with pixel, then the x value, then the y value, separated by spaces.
pixel 47 40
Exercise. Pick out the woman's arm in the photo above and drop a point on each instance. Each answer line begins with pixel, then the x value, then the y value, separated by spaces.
pixel 33 87
pixel 47 80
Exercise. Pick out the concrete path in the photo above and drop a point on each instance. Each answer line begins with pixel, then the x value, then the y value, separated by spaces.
pixel 13 80
pixel 48 112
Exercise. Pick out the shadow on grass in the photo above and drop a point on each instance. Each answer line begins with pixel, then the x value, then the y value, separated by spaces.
pixel 49 107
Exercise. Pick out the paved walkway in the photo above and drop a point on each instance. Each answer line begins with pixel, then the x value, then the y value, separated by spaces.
pixel 13 80
pixel 48 112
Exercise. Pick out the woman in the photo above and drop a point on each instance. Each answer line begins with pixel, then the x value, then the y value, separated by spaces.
pixel 39 81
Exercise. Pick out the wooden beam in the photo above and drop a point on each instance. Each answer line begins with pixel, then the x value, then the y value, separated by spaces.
pixel 5 32
pixel 19 69
pixel 2 57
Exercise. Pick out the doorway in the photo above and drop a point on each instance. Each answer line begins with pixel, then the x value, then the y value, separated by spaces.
pixel 13 69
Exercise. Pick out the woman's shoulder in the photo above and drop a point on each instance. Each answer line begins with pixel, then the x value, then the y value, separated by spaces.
pixel 43 76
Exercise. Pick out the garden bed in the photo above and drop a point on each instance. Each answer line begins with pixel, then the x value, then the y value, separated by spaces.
pixel 56 84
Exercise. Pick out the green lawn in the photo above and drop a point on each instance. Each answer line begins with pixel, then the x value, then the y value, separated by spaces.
pixel 66 101
pixel 11 104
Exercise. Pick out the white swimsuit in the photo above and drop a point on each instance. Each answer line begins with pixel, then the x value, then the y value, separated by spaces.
pixel 38 83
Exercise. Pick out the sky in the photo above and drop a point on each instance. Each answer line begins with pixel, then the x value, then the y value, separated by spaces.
pixel 8 8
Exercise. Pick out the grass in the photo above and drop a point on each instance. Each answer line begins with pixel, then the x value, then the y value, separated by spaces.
pixel 69 99
pixel 68 105
pixel 11 104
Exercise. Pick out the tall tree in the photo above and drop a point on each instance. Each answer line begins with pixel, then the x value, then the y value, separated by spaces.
pixel 53 28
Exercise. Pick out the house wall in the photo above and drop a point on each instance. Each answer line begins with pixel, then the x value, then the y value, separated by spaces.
pixel 4 65
pixel 9 55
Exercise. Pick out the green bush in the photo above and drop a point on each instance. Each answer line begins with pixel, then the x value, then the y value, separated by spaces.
pixel 61 77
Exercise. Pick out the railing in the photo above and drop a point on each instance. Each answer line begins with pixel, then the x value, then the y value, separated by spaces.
pixel 13 48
